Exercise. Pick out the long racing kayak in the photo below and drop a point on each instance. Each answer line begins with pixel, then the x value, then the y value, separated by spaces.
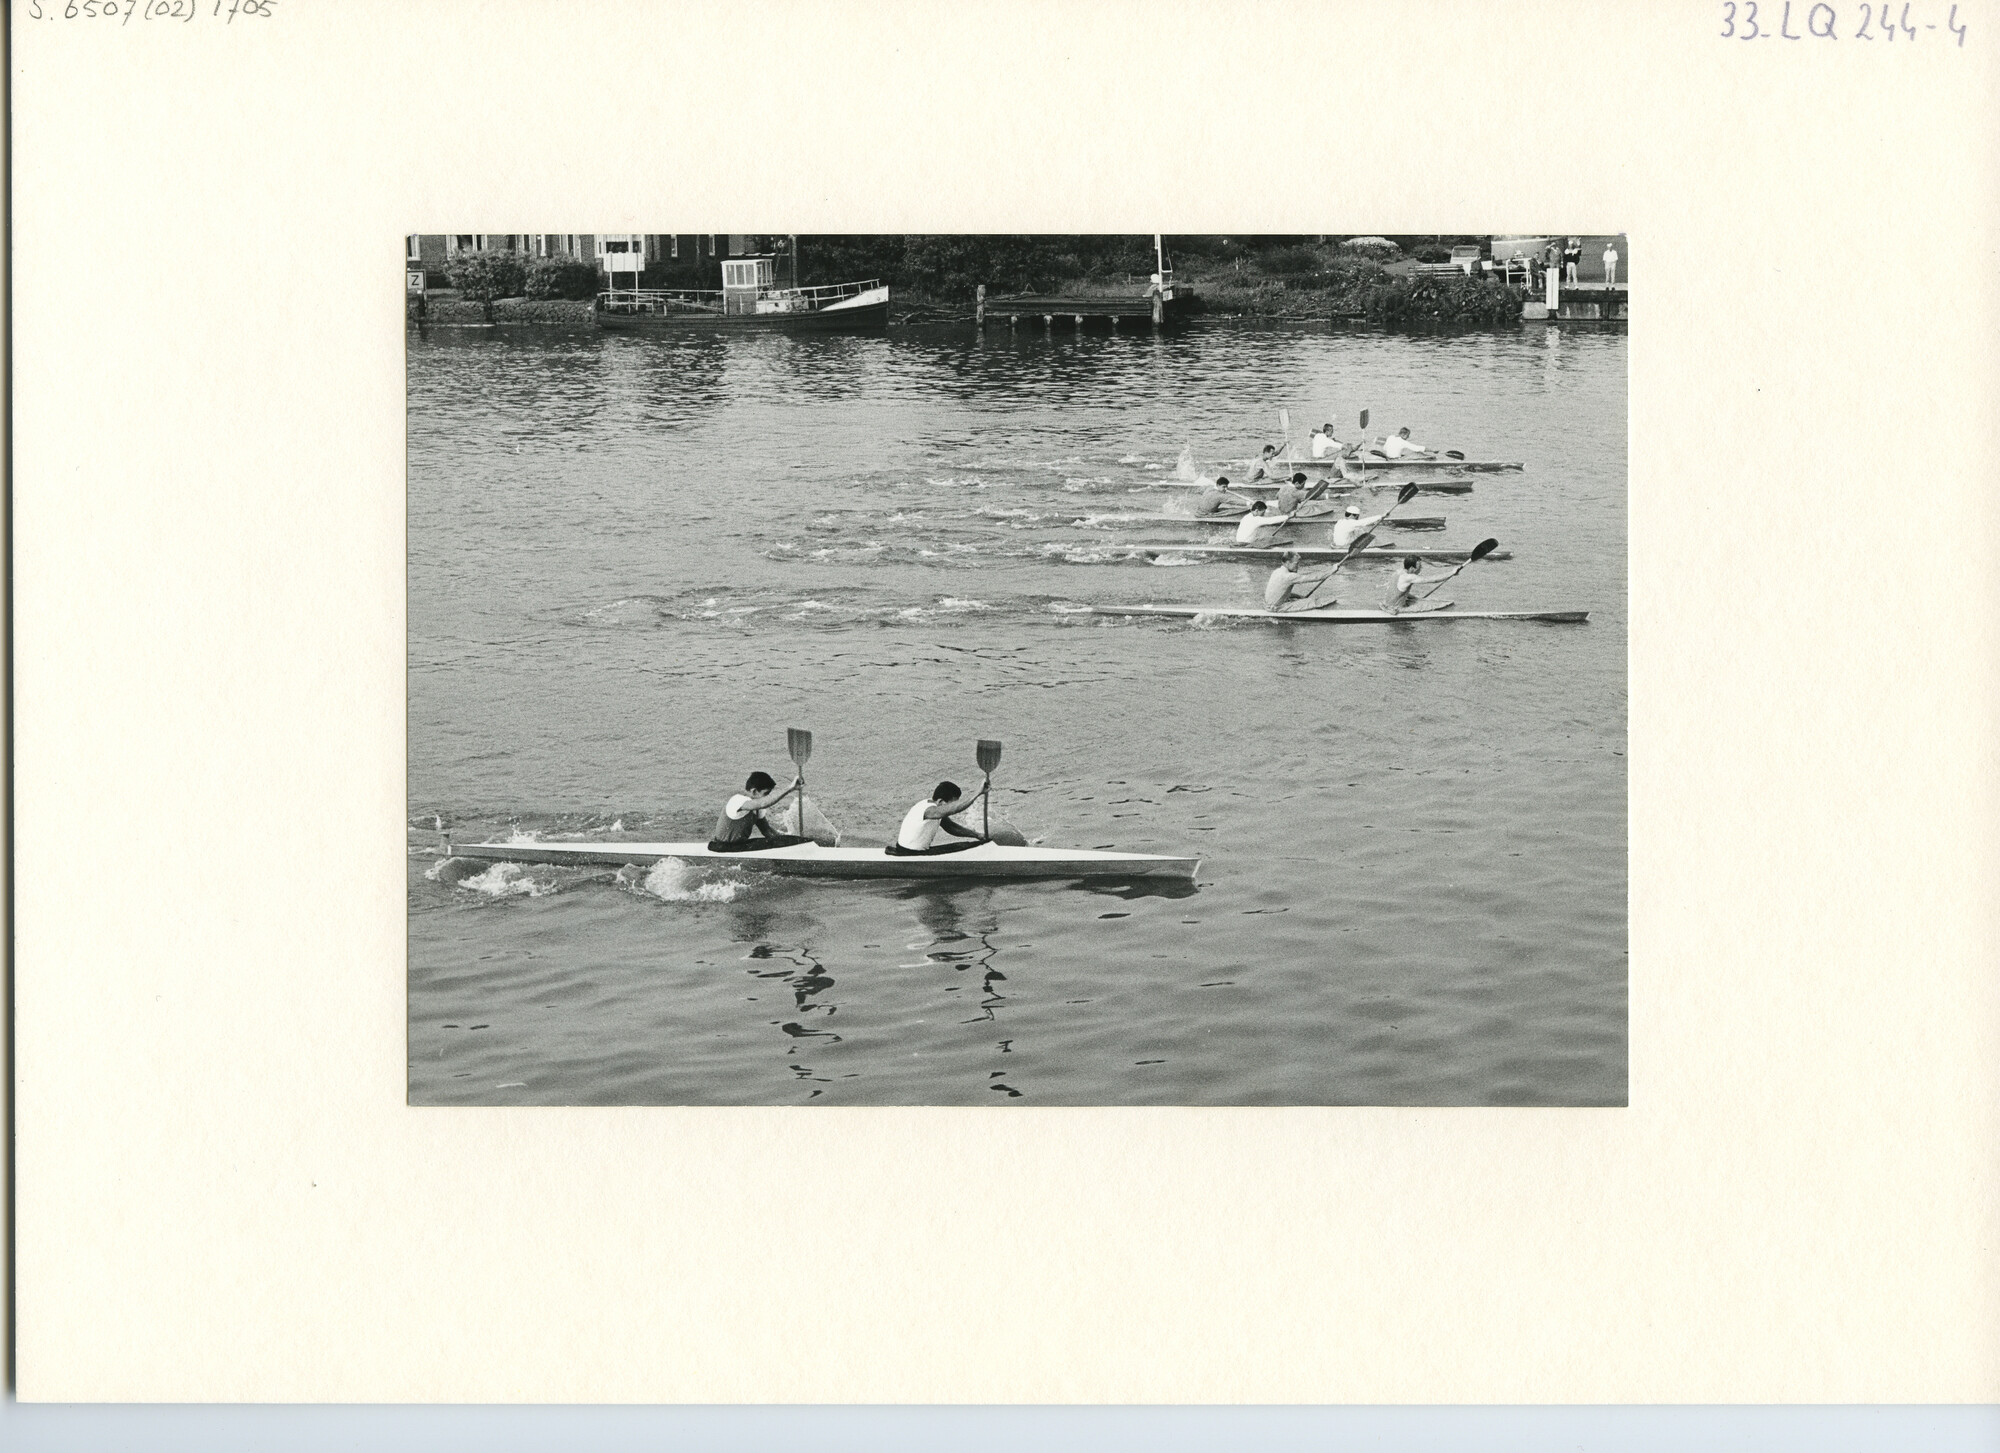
pixel 1332 615
pixel 1424 486
pixel 1154 548
pixel 1376 461
pixel 810 860
pixel 1322 517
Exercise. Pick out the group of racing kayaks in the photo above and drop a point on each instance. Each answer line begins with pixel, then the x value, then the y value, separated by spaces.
pixel 773 829
pixel 1326 487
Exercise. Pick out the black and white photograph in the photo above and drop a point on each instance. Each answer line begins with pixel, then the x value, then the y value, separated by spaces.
pixel 963 669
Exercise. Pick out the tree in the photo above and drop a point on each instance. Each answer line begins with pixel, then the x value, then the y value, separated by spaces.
pixel 480 277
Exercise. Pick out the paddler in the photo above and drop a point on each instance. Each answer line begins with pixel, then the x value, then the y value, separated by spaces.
pixel 742 829
pixel 1216 499
pixel 1289 590
pixel 1259 522
pixel 1352 525
pixel 1262 468
pixel 1399 444
pixel 1403 590
pixel 1291 494
pixel 924 821
pixel 1323 442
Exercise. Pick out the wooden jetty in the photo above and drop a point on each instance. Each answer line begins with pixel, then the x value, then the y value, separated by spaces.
pixel 1163 301
pixel 1580 303
pixel 1159 307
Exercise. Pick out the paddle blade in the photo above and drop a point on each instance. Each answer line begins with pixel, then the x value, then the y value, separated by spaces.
pixel 1285 423
pixel 1482 550
pixel 989 756
pixel 1454 454
pixel 1407 493
pixel 799 744
pixel 1364 418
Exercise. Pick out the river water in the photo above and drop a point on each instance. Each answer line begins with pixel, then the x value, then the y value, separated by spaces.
pixel 633 562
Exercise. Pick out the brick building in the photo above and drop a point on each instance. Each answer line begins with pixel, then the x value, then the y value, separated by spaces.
pixel 667 259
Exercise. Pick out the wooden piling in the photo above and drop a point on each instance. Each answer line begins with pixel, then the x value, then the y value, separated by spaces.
pixel 979 306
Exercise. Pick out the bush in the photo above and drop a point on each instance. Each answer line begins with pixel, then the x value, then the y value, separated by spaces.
pixel 561 277
pixel 480 277
pixel 1433 253
pixel 1421 303
pixel 1289 260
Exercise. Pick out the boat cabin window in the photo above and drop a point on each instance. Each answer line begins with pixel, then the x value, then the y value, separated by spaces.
pixel 748 272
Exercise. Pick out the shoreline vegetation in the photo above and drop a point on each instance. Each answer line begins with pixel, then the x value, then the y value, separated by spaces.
pixel 1366 281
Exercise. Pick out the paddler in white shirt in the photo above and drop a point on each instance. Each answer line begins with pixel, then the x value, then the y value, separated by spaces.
pixel 1352 525
pixel 1399 445
pixel 1323 442
pixel 1289 590
pixel 1216 499
pixel 1253 527
pixel 932 816
pixel 742 829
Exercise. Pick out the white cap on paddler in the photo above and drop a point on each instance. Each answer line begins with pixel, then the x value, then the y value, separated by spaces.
pixel 1354 512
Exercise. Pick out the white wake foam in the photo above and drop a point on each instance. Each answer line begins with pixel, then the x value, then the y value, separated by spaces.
pixel 674 880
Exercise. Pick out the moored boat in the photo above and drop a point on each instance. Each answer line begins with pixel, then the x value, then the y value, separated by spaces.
pixel 748 300
pixel 812 860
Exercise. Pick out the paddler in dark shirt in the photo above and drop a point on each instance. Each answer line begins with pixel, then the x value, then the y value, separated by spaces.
pixel 1216 499
pixel 1291 494
pixel 741 827
pixel 1263 467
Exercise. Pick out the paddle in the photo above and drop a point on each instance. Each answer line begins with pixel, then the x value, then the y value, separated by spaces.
pixel 1479 552
pixel 800 744
pixel 988 753
pixel 1361 541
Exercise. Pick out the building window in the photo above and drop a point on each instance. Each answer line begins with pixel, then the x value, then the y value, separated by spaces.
pixel 715 244
pixel 411 249
pixel 674 245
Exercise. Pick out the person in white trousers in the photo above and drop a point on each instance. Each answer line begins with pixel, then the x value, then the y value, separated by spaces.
pixel 1611 262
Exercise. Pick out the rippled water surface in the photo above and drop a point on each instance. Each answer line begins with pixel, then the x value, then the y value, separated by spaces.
pixel 635 561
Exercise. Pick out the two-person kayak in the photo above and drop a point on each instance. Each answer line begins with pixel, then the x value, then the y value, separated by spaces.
pixel 772 829
pixel 1334 615
pixel 813 860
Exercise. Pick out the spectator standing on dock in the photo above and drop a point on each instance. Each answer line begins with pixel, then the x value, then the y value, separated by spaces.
pixel 1611 262
pixel 1572 260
